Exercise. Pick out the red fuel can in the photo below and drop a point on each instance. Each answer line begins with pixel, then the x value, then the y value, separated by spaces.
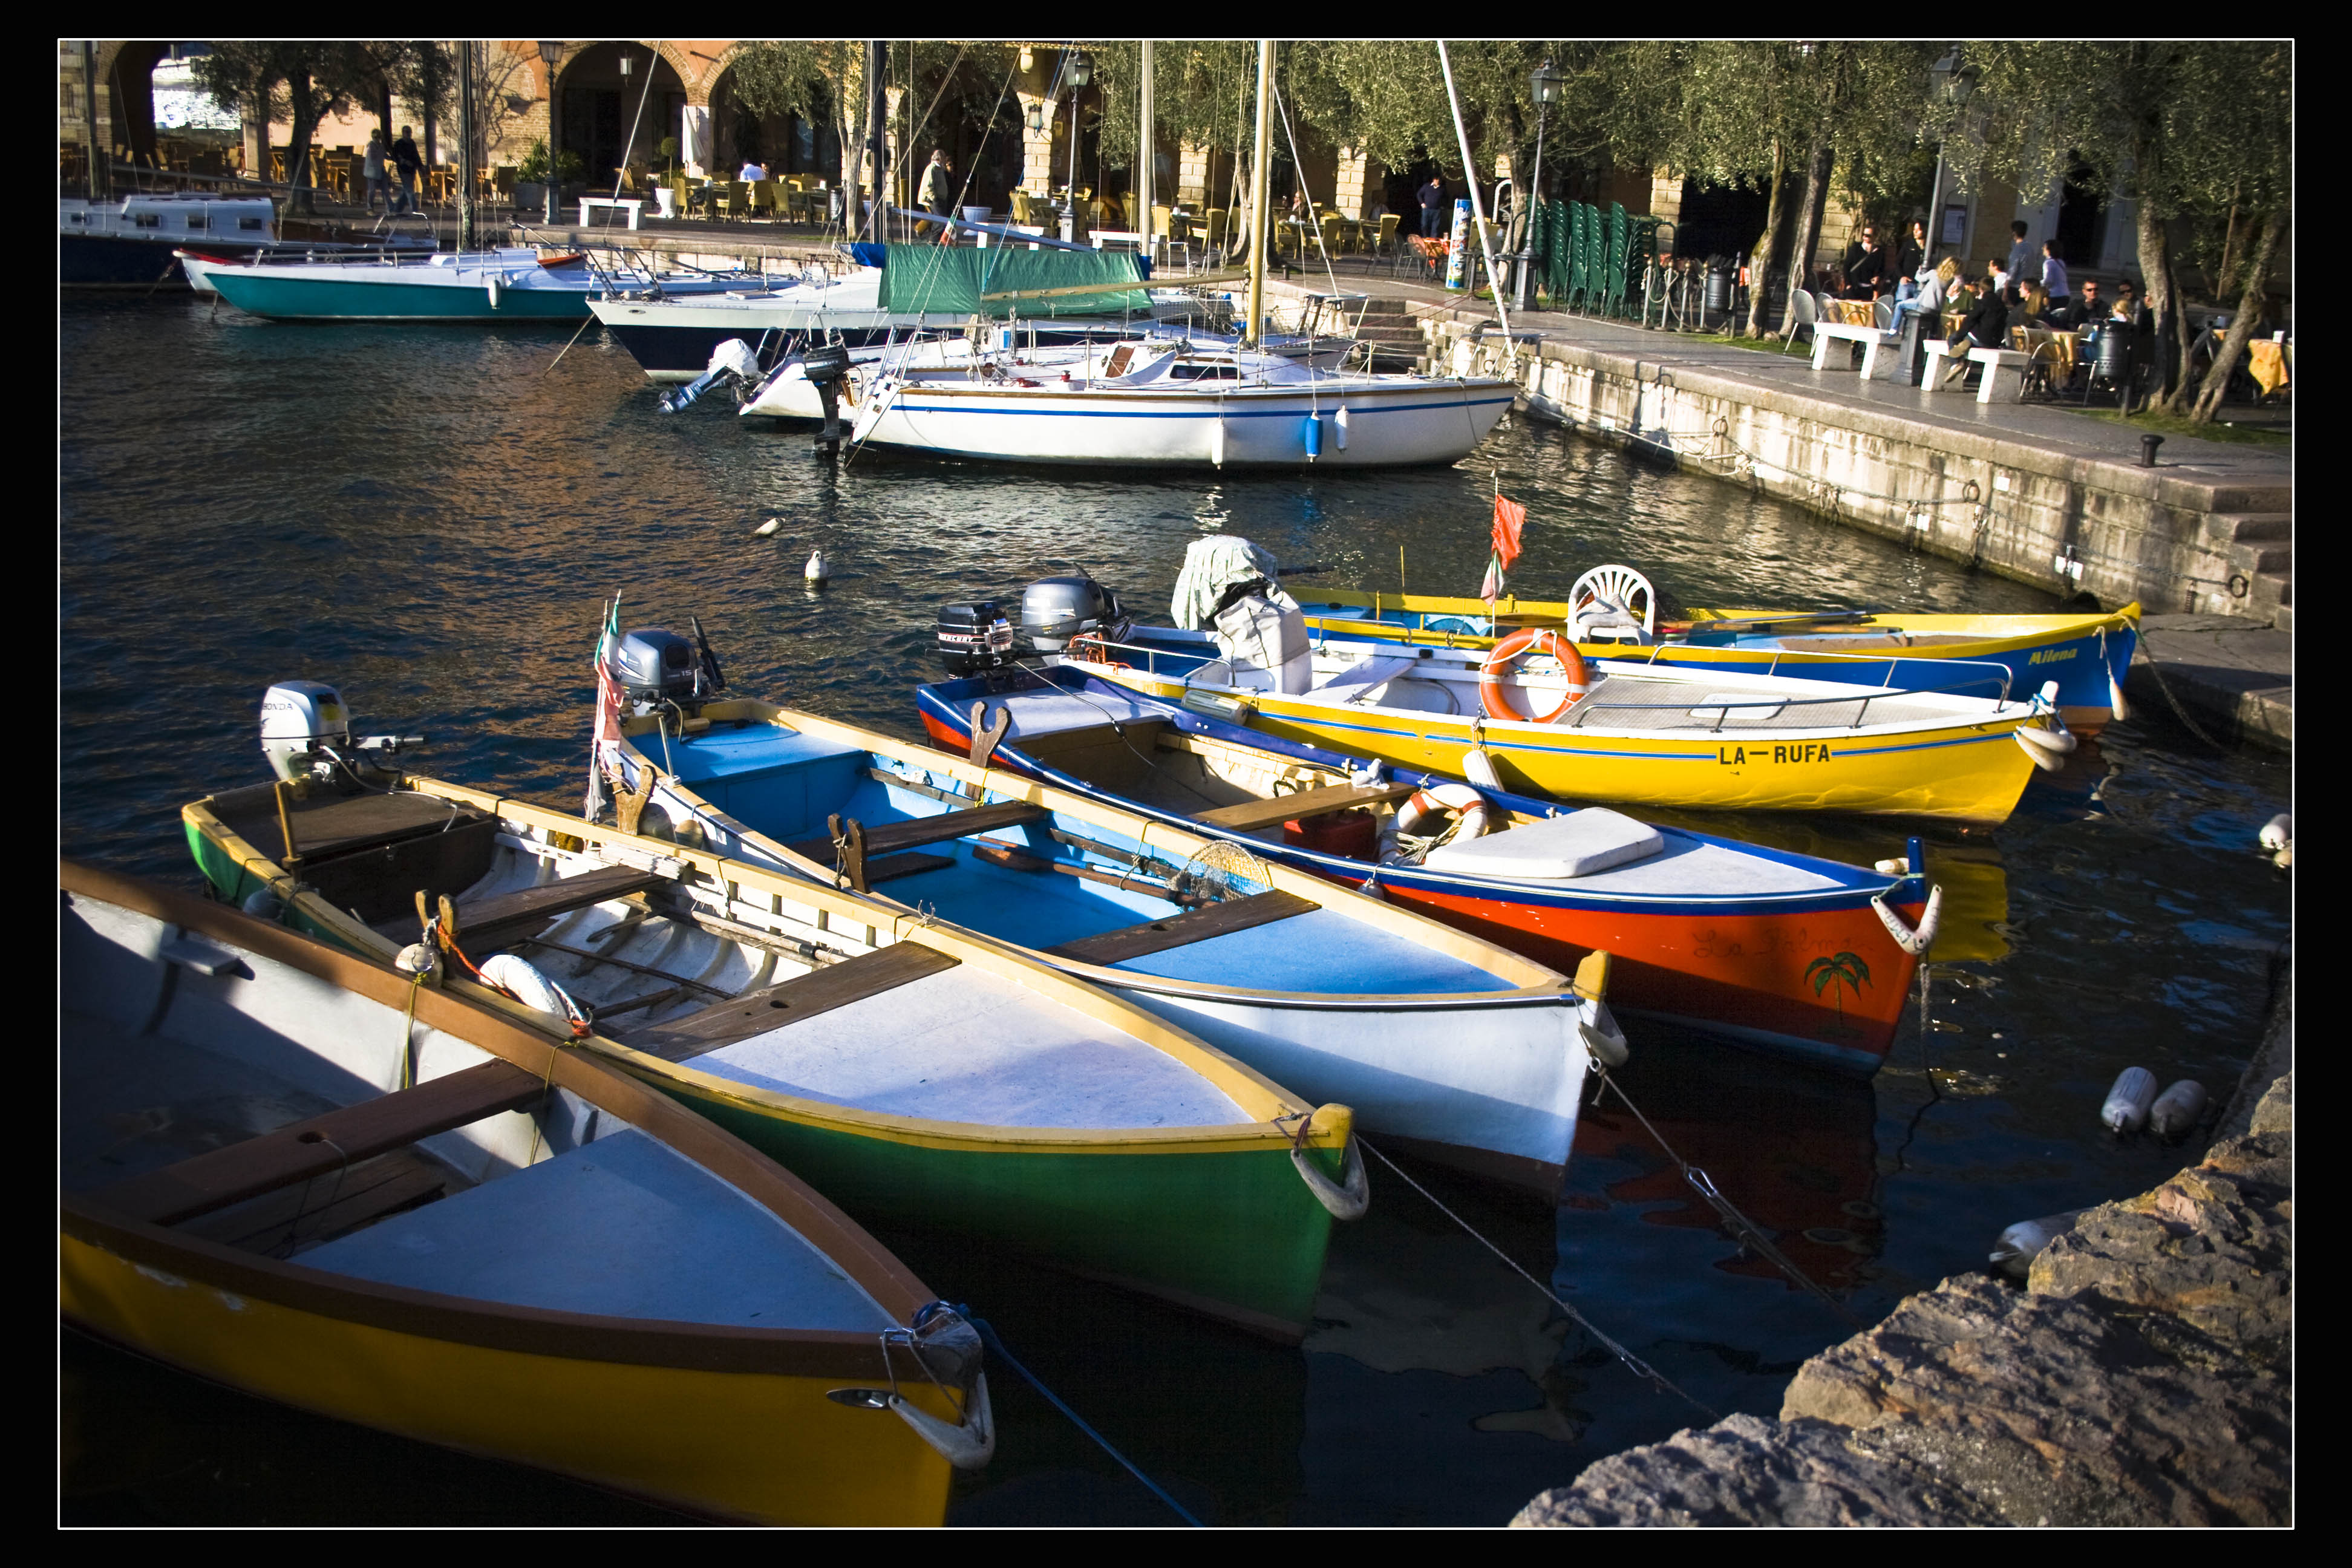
pixel 1354 833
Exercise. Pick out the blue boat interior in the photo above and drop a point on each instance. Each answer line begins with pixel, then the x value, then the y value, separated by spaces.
pixel 785 786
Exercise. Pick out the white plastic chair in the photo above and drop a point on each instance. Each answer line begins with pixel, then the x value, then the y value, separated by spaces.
pixel 1803 313
pixel 1613 600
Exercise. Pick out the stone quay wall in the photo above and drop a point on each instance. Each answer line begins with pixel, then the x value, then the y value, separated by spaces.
pixel 1983 496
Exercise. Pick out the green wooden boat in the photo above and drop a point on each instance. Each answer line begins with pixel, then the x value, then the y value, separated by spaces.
pixel 918 1075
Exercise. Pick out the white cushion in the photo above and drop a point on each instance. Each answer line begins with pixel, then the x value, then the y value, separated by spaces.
pixel 1577 844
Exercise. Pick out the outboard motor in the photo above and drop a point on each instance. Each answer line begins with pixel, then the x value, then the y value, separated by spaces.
pixel 826 367
pixel 974 636
pixel 1055 609
pixel 306 733
pixel 655 669
pixel 732 359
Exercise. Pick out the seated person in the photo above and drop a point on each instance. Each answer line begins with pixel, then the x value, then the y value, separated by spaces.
pixel 1986 327
pixel 2085 309
pixel 2128 309
pixel 1866 275
pixel 2032 306
pixel 752 170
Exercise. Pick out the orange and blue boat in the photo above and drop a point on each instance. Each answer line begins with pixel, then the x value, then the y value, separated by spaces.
pixel 1789 953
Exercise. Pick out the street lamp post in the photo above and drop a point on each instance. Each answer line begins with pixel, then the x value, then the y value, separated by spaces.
pixel 1078 72
pixel 1952 82
pixel 550 50
pixel 1545 80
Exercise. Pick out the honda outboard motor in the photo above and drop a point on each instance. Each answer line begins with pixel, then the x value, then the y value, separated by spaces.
pixel 306 733
pixel 731 359
pixel 655 669
pixel 1055 609
pixel 974 636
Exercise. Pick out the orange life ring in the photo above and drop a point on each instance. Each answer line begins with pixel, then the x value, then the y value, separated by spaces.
pixel 1541 640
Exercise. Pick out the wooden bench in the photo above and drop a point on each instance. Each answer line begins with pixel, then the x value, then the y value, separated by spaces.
pixel 630 205
pixel 858 862
pixel 794 1001
pixel 320 1145
pixel 1251 815
pixel 486 925
pixel 1182 930
pixel 1871 339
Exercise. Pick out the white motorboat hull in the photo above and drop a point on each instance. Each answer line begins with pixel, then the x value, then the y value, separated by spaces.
pixel 1387 424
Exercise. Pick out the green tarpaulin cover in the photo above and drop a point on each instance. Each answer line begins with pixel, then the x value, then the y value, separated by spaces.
pixel 933 280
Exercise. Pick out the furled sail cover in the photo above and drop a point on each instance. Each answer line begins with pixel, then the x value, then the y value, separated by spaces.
pixel 931 280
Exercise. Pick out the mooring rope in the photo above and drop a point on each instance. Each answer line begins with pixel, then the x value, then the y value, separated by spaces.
pixel 1634 1364
pixel 996 1348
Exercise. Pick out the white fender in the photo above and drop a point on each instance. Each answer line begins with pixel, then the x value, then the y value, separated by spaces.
pixel 2177 1109
pixel 1478 767
pixel 1915 942
pixel 1340 426
pixel 1347 1198
pixel 1427 805
pixel 2048 748
pixel 2128 1102
pixel 967 1447
pixel 530 987
pixel 2014 1253
pixel 494 286
pixel 1603 1041
pixel 1217 442
pixel 2115 699
pixel 2278 832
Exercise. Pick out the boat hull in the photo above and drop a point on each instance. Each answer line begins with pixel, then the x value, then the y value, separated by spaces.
pixel 1432 422
pixel 270 292
pixel 1234 1233
pixel 733 1443
pixel 2087 655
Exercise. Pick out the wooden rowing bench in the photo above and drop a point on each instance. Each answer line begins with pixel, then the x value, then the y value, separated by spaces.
pixel 483 926
pixel 1251 815
pixel 1182 930
pixel 853 848
pixel 794 1001
pixel 320 1145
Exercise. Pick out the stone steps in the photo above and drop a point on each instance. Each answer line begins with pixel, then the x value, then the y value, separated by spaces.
pixel 2260 548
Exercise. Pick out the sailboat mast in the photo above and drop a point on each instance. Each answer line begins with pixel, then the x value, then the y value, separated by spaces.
pixel 1260 193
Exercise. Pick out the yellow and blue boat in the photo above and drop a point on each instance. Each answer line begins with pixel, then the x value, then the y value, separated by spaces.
pixel 1623 730
pixel 2087 655
pixel 302 1176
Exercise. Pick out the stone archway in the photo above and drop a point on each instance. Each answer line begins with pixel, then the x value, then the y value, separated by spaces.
pixel 610 119
pixel 127 68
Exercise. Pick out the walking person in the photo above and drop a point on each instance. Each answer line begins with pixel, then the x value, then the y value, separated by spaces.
pixel 939 190
pixel 2053 271
pixel 405 158
pixel 372 171
pixel 2021 260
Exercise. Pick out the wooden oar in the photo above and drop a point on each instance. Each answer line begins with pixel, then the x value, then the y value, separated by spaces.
pixel 1789 623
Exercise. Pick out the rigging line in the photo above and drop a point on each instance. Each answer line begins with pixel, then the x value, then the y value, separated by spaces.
pixel 630 146
pixel 1296 163
pixel 1634 1364
pixel 1117 728
pixel 567 348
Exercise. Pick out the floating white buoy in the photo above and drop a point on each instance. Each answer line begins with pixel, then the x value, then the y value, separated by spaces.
pixel 2128 1102
pixel 816 573
pixel 2018 1244
pixel 2278 832
pixel 769 527
pixel 2177 1109
pixel 417 958
pixel 2284 859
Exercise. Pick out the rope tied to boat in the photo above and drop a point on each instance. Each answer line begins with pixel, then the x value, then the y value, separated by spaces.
pixel 1743 1230
pixel 1632 1362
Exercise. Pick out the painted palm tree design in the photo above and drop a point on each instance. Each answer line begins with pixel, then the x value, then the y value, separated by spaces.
pixel 1846 970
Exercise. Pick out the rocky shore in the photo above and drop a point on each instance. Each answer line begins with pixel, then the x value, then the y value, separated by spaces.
pixel 2143 1376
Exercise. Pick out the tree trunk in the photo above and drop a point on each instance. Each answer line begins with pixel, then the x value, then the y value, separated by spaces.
pixel 1809 221
pixel 2225 276
pixel 2242 327
pixel 305 124
pixel 1768 251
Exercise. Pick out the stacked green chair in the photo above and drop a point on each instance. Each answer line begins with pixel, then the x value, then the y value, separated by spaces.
pixel 1557 257
pixel 1580 278
pixel 1613 266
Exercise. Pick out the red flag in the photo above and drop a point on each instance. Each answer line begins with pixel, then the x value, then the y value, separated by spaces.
pixel 1510 516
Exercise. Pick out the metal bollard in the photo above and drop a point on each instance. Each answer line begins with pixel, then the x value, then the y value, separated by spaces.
pixel 2147 446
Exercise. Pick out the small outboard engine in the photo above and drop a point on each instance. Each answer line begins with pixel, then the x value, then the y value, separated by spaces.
pixel 1055 609
pixel 974 636
pixel 655 668
pixel 306 732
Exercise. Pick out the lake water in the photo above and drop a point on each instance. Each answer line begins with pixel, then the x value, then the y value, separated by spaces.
pixel 428 518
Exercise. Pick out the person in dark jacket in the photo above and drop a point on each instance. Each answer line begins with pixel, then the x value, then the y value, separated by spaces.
pixel 1987 324
pixel 1911 256
pixel 1866 276
pixel 1434 209
pixel 405 158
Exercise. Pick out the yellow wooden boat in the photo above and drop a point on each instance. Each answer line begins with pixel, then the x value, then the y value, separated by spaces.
pixel 2087 654
pixel 1641 734
pixel 298 1174
pixel 915 1073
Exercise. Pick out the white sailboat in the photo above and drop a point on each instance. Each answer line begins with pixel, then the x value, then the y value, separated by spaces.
pixel 1177 404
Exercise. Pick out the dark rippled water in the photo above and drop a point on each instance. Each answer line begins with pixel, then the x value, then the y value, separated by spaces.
pixel 427 517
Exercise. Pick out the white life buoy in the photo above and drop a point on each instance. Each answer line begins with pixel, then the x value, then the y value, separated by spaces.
pixel 1421 813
